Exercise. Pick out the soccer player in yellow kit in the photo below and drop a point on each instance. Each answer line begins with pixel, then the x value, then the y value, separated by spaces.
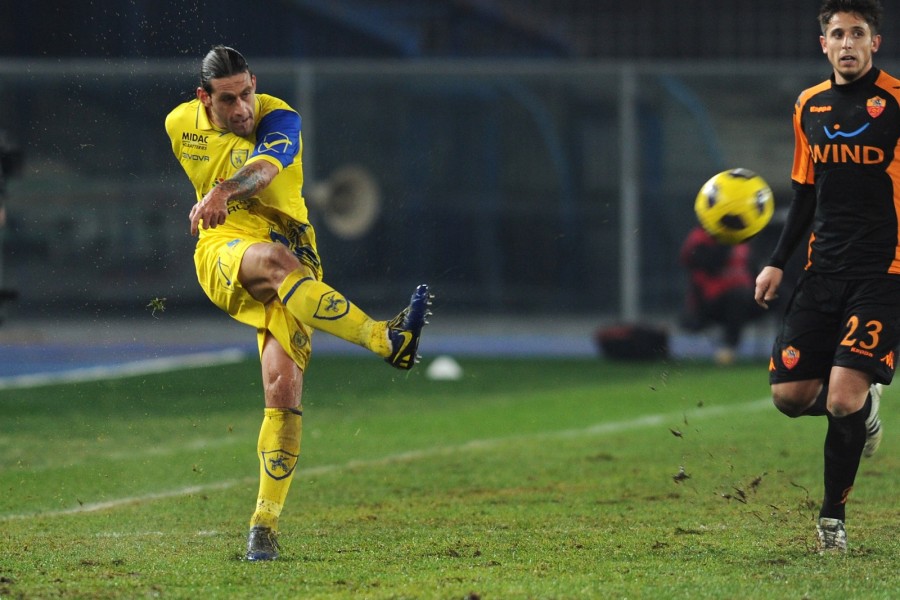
pixel 256 259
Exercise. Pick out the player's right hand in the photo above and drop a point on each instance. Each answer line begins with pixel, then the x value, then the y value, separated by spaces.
pixel 211 210
pixel 767 283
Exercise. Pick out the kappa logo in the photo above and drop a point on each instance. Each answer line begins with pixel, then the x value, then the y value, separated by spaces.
pixel 888 360
pixel 790 356
pixel 846 494
pixel 279 464
pixel 332 306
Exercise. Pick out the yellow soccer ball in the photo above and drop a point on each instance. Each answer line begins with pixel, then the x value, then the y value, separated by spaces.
pixel 734 205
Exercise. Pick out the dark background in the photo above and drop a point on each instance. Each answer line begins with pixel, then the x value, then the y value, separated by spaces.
pixel 601 29
pixel 494 129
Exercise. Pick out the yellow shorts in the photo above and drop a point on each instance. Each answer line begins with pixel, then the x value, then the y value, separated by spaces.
pixel 218 258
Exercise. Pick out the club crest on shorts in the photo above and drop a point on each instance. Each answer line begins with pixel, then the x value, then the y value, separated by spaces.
pixel 332 306
pixel 299 341
pixel 278 463
pixel 790 356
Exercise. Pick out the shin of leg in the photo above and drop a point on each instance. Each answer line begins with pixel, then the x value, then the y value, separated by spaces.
pixel 278 447
pixel 319 306
pixel 794 398
pixel 846 437
pixel 844 445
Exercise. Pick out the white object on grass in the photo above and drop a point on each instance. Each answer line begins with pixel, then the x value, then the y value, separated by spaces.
pixel 444 368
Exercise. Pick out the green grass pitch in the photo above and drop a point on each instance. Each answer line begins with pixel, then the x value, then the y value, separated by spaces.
pixel 529 478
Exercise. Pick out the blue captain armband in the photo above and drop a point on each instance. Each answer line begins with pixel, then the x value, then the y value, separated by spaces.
pixel 278 136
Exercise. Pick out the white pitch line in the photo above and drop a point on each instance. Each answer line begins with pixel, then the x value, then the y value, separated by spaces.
pixel 129 369
pixel 199 444
pixel 598 429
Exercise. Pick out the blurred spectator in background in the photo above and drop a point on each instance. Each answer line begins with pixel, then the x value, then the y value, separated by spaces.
pixel 721 277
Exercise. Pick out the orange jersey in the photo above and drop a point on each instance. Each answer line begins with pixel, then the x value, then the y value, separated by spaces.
pixel 846 145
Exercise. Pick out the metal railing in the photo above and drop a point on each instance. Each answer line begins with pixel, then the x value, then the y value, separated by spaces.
pixel 548 187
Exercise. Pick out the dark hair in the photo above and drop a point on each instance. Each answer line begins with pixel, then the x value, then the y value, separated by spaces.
pixel 221 61
pixel 869 10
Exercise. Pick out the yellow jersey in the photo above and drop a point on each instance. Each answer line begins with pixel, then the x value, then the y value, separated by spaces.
pixel 210 155
pixel 275 214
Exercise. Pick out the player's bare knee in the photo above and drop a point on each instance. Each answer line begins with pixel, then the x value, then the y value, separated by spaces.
pixel 281 262
pixel 790 405
pixel 281 391
pixel 263 269
pixel 794 398
pixel 841 406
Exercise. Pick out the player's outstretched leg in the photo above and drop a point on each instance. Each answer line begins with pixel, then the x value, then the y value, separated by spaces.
pixel 405 329
pixel 873 423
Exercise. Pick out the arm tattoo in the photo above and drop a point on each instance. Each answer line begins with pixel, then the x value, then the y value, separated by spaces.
pixel 249 180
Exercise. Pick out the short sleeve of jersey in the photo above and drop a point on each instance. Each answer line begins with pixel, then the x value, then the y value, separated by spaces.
pixel 802 169
pixel 277 137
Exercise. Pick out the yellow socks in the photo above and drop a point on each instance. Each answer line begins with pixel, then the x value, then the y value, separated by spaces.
pixel 320 306
pixel 278 448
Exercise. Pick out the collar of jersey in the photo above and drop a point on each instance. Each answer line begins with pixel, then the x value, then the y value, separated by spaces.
pixel 867 79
